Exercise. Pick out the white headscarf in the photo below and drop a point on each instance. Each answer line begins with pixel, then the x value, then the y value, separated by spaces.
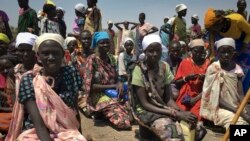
pixel 225 42
pixel 69 39
pixel 109 22
pixel 149 39
pixel 80 8
pixel 195 16
pixel 25 38
pixel 196 43
pixel 180 7
pixel 48 36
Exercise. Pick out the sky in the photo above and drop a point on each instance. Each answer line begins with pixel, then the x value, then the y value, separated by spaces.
pixel 121 10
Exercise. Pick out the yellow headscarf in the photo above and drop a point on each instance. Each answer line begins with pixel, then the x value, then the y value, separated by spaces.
pixel 210 18
pixel 4 38
pixel 50 2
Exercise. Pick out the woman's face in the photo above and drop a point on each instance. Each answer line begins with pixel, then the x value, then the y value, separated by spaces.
pixel 241 5
pixel 226 54
pixel 86 39
pixel 25 53
pixel 198 52
pixel 141 19
pixel 51 55
pixel 5 66
pixel 71 46
pixel 129 45
pixel 52 12
pixel 175 51
pixel 153 53
pixel 104 46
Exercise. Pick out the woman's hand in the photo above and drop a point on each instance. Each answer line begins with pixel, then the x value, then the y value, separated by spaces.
pixel 191 77
pixel 187 116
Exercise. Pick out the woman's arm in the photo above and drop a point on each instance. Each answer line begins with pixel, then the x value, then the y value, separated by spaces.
pixel 97 16
pixel 134 25
pixel 41 129
pixel 117 25
pixel 168 99
pixel 153 30
pixel 101 88
pixel 142 96
pixel 223 104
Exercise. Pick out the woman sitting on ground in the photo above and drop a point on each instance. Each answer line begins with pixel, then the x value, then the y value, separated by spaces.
pixel 222 89
pixel 190 76
pixel 100 75
pixel 153 104
pixel 48 97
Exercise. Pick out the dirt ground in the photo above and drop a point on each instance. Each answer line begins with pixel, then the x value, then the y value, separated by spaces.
pixel 101 131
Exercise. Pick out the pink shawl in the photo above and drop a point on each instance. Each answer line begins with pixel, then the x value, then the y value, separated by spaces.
pixel 57 116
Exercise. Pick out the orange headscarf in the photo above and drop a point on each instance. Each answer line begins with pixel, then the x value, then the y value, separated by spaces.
pixel 210 18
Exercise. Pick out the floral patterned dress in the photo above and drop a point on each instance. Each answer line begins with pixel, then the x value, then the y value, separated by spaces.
pixel 104 73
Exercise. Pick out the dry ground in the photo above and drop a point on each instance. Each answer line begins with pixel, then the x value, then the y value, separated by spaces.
pixel 101 131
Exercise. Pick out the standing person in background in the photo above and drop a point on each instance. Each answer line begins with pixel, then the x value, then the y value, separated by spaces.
pixel 142 30
pixel 79 22
pixel 111 33
pixel 195 28
pixel 93 17
pixel 164 32
pixel 4 24
pixel 178 24
pixel 60 19
pixel 27 21
pixel 242 5
pixel 49 23
pixel 124 59
pixel 125 32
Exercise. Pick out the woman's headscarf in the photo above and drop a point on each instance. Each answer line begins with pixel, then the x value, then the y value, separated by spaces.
pixel 196 43
pixel 99 36
pixel 127 39
pixel 50 2
pixel 149 39
pixel 4 38
pixel 69 39
pixel 210 18
pixel 180 7
pixel 60 8
pixel 80 8
pixel 25 38
pixel 48 36
pixel 225 42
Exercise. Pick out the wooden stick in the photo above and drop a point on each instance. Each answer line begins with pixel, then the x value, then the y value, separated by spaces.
pixel 237 114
